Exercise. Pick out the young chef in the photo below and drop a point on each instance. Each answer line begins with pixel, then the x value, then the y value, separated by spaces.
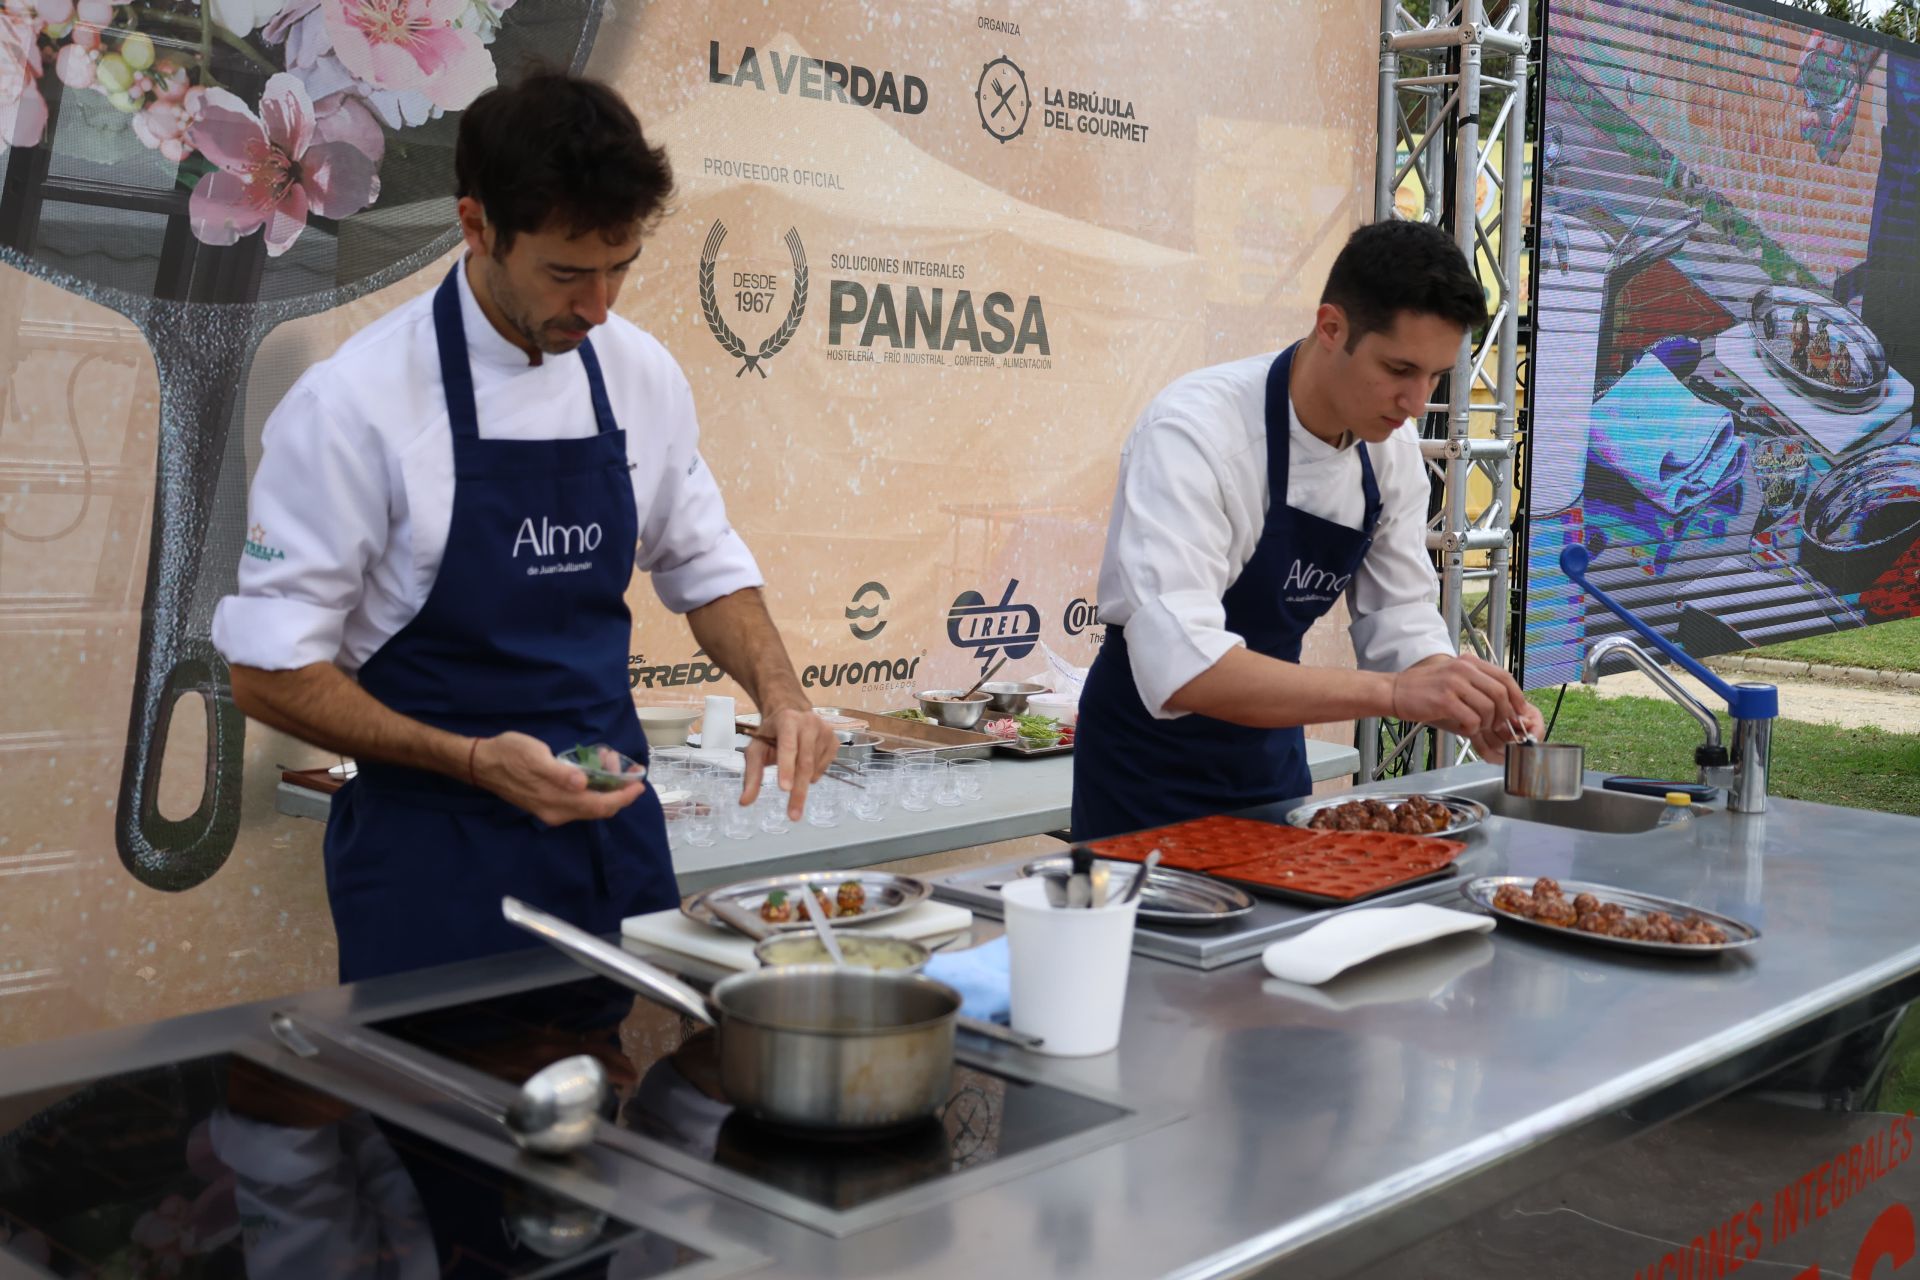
pixel 446 516
pixel 1251 496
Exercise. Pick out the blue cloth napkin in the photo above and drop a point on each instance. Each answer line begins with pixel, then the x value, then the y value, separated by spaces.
pixel 980 976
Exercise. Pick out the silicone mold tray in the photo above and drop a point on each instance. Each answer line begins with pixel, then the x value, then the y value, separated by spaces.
pixel 1320 866
pixel 1202 844
pixel 1346 866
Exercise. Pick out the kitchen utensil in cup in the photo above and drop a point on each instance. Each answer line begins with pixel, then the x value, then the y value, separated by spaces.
pixel 1068 969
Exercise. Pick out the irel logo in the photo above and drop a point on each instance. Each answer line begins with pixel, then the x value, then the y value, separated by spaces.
pixel 550 539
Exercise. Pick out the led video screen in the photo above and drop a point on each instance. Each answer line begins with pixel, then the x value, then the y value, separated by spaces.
pixel 1727 334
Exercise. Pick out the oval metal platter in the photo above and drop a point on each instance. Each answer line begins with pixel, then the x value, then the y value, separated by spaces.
pixel 1467 814
pixel 1739 933
pixel 1170 897
pixel 887 895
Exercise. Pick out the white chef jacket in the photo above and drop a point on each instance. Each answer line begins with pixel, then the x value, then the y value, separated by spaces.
pixel 353 497
pixel 1191 505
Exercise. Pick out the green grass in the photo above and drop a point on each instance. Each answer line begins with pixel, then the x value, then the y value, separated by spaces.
pixel 1653 738
pixel 1887 646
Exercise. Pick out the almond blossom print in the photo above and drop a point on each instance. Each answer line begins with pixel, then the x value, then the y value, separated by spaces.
pixel 272 168
pixel 23 112
pixel 411 46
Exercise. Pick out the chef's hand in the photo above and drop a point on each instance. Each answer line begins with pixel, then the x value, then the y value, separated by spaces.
pixel 1491 746
pixel 803 747
pixel 523 771
pixel 1463 695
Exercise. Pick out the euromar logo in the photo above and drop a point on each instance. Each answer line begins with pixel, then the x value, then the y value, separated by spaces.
pixel 857 611
pixel 1001 95
pixel 991 629
pixel 751 292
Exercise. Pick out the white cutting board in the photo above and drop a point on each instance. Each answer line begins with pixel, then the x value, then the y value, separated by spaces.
pixel 670 930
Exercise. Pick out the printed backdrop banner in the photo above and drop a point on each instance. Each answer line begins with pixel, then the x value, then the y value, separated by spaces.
pixel 923 270
pixel 1728 331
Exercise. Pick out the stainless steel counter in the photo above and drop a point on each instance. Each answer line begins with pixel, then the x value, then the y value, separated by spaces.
pixel 1024 798
pixel 1322 1128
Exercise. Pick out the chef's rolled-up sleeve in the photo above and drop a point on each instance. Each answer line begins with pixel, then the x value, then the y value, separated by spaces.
pixel 687 545
pixel 1170 562
pixel 317 517
pixel 1395 593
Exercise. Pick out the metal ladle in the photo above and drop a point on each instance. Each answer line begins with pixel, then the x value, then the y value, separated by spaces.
pixel 554 1113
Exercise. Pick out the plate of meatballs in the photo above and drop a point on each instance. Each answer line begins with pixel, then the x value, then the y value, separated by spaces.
pixel 1615 917
pixel 1404 815
pixel 845 897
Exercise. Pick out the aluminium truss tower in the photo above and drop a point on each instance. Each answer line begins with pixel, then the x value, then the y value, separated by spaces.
pixel 1453 128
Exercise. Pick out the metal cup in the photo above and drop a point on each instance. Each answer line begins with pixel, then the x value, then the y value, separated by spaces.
pixel 1546 770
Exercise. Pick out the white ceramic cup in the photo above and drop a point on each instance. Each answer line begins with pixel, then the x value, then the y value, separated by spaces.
pixel 716 723
pixel 1068 969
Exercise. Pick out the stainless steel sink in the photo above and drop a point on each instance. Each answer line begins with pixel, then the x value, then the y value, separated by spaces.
pixel 1607 812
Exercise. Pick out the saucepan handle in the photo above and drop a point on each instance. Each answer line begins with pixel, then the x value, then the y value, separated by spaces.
pixel 610 961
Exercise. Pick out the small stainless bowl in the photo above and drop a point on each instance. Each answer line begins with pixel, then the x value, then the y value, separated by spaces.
pixel 862 951
pixel 857 748
pixel 954 714
pixel 1546 770
pixel 1009 698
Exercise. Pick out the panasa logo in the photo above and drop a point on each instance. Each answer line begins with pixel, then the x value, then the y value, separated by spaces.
pixel 991 629
pixel 934 320
pixel 795 75
pixel 750 293
pixel 1314 583
pixel 859 612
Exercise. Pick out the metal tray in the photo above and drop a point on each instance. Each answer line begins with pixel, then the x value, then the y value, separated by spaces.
pixel 887 895
pixel 904 737
pixel 1013 746
pixel 1739 934
pixel 1468 814
pixel 1171 897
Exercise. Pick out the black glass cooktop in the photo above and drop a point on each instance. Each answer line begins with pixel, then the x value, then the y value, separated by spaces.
pixel 218 1168
pixel 665 1069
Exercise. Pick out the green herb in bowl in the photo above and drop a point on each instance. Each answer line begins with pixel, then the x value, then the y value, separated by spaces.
pixel 606 769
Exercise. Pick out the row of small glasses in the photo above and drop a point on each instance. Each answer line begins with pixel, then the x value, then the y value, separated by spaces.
pixel 703 799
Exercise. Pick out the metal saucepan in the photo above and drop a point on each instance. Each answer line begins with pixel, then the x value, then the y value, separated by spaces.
pixel 1545 770
pixel 809 1046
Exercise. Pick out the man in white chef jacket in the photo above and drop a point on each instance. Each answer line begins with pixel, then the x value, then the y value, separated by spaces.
pixel 446 516
pixel 1252 495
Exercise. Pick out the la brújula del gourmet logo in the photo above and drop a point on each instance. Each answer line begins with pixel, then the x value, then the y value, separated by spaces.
pixel 992 629
pixel 751 293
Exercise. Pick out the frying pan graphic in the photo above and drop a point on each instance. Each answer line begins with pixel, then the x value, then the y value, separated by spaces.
pixel 204 311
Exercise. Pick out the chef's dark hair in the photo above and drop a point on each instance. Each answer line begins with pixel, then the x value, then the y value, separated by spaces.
pixel 1394 266
pixel 556 148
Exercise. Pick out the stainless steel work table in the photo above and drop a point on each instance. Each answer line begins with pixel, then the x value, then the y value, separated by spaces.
pixel 1319 1128
pixel 1025 797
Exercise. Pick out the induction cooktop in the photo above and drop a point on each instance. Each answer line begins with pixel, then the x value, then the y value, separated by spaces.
pixel 998 1122
pixel 219 1168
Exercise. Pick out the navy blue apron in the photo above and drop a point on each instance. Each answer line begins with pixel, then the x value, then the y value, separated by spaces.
pixel 526 629
pixel 1131 771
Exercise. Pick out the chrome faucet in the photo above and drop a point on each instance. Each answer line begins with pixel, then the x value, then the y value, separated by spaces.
pixel 1742 773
